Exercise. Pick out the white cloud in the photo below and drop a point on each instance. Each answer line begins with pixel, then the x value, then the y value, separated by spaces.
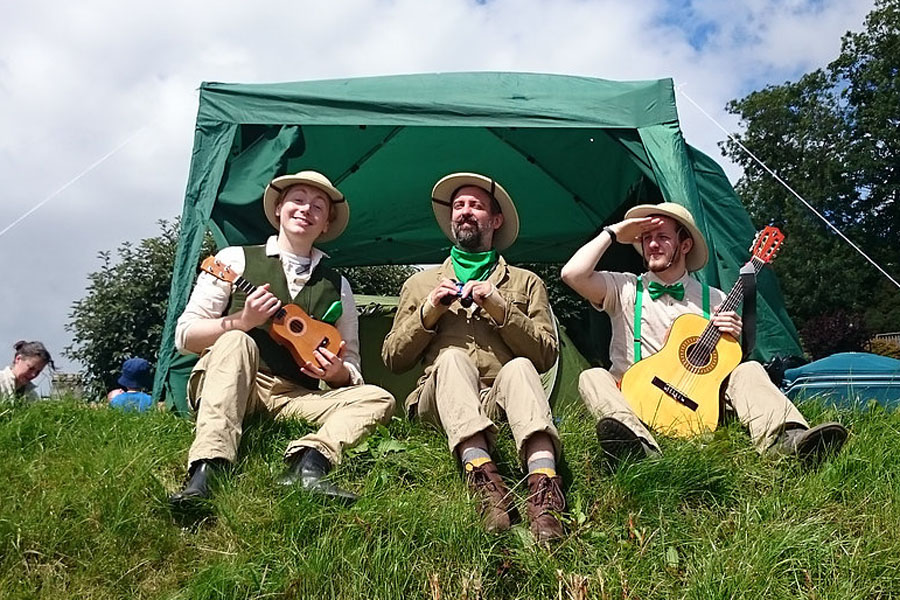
pixel 77 79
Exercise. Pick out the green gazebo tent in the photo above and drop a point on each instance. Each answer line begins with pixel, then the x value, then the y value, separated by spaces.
pixel 573 152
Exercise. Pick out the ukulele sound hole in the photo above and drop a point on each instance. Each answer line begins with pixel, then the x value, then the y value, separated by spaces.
pixel 701 364
pixel 296 326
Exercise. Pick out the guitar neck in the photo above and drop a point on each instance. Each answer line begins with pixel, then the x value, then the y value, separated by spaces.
pixel 711 334
pixel 243 285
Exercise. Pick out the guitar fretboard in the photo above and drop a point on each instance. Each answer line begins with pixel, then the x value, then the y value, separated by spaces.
pixel 702 349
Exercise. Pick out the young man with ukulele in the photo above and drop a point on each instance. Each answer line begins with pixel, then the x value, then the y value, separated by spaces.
pixel 483 329
pixel 673 247
pixel 242 370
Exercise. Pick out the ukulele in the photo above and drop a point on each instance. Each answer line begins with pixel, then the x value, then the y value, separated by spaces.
pixel 291 327
pixel 676 390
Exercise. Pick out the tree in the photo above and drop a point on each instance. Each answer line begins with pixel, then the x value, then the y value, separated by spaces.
pixel 124 310
pixel 833 135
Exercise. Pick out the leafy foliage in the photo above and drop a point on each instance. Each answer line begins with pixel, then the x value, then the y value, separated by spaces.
pixel 834 332
pixel 124 309
pixel 380 280
pixel 834 135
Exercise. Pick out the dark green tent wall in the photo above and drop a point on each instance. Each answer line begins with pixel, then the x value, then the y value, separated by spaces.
pixel 573 152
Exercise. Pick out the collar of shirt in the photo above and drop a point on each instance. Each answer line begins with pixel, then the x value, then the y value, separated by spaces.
pixel 684 279
pixel 297 269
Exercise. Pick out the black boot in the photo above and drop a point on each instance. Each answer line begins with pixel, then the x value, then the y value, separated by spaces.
pixel 197 492
pixel 308 469
pixel 619 443
pixel 811 445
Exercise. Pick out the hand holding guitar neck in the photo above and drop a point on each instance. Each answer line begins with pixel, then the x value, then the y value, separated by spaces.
pixel 261 306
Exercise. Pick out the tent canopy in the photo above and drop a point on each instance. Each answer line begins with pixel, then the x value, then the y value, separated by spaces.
pixel 573 152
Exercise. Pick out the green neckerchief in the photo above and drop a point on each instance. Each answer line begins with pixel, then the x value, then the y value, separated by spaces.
pixel 472 265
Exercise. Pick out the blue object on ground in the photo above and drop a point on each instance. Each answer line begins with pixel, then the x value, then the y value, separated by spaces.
pixel 139 401
pixel 847 379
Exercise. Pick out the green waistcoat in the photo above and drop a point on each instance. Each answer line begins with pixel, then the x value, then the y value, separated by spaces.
pixel 321 291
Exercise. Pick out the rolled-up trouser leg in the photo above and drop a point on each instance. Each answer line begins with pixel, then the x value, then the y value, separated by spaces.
pixel 603 398
pixel 761 406
pixel 518 392
pixel 222 391
pixel 450 398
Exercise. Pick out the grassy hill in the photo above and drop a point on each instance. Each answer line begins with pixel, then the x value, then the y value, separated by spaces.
pixel 83 514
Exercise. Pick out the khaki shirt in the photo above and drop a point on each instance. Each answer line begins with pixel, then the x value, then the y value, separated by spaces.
pixel 528 330
pixel 656 315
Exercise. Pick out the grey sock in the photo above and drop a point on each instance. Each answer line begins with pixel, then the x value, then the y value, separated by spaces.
pixel 541 463
pixel 471 454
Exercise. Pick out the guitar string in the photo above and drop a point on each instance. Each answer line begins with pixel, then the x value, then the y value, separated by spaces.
pixel 702 350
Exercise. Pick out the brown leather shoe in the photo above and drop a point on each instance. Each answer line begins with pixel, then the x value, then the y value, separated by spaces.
pixel 545 502
pixel 497 510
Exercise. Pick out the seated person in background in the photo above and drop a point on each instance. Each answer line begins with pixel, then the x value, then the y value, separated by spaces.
pixel 28 362
pixel 135 379
pixel 672 247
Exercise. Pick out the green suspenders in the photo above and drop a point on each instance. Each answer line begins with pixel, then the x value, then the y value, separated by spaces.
pixel 638 306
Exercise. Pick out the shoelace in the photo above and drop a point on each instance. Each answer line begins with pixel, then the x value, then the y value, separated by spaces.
pixel 548 494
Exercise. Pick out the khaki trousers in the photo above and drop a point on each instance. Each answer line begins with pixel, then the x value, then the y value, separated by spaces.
pixel 759 405
pixel 225 387
pixel 452 399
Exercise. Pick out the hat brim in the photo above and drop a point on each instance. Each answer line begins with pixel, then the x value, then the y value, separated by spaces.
pixel 339 207
pixel 442 194
pixel 698 255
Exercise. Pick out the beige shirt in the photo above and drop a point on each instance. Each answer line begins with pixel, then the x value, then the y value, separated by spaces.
pixel 527 330
pixel 656 315
pixel 8 387
pixel 210 297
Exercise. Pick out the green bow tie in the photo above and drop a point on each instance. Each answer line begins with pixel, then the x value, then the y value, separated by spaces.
pixel 658 290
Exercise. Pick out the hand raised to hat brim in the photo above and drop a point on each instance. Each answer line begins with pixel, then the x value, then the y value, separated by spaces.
pixel 631 230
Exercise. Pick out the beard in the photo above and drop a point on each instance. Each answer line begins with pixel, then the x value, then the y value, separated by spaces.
pixel 468 238
pixel 666 261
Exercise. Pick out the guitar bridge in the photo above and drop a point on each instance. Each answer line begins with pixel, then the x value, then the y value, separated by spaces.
pixel 675 393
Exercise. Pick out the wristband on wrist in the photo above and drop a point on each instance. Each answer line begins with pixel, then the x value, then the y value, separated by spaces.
pixel 612 234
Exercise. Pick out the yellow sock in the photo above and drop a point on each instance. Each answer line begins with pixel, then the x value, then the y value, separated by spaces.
pixel 477 462
pixel 546 471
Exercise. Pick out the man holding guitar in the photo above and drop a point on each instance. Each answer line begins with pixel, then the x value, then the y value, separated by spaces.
pixel 673 247
pixel 243 370
pixel 483 330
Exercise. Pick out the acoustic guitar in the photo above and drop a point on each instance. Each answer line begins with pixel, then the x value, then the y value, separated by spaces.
pixel 676 390
pixel 291 327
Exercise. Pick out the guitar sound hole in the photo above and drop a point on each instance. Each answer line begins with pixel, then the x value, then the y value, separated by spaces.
pixel 696 360
pixel 296 326
pixel 696 357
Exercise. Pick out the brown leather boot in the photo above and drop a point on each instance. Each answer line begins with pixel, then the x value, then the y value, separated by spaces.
pixel 545 502
pixel 497 510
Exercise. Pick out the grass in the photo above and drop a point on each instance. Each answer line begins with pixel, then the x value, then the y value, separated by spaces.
pixel 83 514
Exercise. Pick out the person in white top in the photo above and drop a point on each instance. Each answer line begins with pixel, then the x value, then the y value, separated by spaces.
pixel 673 247
pixel 29 360
pixel 242 370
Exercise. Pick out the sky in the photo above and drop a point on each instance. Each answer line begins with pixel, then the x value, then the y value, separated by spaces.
pixel 98 98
